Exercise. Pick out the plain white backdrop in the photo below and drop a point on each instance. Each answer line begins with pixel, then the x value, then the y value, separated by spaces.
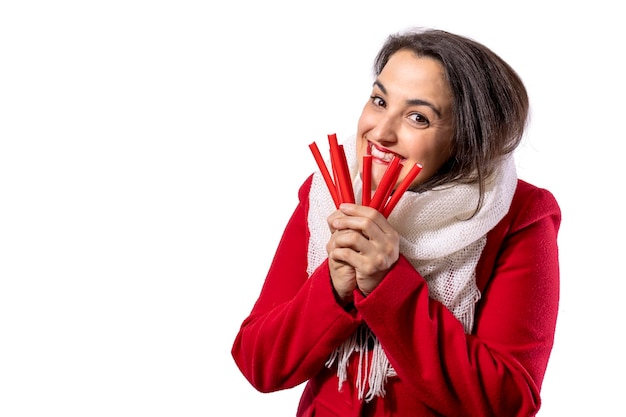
pixel 151 153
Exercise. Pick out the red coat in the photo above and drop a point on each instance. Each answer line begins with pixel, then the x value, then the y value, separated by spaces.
pixel 497 370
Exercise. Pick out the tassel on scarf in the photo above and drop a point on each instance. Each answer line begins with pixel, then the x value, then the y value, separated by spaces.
pixel 364 343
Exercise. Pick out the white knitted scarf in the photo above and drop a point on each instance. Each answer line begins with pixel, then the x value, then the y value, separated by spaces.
pixel 438 236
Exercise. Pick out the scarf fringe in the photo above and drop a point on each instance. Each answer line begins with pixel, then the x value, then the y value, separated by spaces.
pixel 379 370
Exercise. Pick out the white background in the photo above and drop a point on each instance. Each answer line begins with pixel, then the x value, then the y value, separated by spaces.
pixel 150 156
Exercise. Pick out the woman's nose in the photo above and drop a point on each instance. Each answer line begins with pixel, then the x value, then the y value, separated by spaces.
pixel 385 130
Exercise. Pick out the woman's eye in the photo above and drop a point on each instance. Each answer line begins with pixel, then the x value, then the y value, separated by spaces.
pixel 377 101
pixel 419 119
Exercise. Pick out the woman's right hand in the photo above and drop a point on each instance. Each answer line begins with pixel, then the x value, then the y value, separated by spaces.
pixel 342 274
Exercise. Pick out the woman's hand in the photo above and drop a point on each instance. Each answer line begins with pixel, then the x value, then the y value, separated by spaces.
pixel 363 247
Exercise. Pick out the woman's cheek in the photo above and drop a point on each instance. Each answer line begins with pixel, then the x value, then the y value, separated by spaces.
pixel 361 147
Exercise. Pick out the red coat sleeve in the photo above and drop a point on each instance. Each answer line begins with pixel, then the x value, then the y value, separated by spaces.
pixel 296 322
pixel 498 369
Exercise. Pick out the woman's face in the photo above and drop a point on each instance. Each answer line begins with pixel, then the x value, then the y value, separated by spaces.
pixel 409 114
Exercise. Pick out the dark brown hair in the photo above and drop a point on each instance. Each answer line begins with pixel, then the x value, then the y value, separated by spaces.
pixel 490 102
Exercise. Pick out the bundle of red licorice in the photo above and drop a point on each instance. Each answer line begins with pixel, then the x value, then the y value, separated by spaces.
pixel 340 185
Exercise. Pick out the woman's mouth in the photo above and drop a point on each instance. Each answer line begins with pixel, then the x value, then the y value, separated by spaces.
pixel 381 154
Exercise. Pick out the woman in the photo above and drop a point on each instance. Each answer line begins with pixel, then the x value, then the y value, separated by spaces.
pixel 448 306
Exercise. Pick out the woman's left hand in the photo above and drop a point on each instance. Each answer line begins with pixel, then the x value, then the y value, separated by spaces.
pixel 364 239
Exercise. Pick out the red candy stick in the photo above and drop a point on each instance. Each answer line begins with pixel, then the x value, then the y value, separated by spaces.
pixel 324 170
pixel 386 184
pixel 392 181
pixel 404 185
pixel 340 170
pixel 334 154
pixel 346 186
pixel 367 180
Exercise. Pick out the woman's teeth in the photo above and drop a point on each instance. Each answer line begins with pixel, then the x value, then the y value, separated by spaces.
pixel 378 154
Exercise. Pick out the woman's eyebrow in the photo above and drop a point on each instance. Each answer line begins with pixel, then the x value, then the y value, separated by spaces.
pixel 411 102
pixel 418 102
pixel 379 85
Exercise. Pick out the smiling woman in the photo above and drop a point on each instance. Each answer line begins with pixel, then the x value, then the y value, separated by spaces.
pixel 409 115
pixel 417 312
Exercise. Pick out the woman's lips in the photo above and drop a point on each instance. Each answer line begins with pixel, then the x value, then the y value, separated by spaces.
pixel 382 155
